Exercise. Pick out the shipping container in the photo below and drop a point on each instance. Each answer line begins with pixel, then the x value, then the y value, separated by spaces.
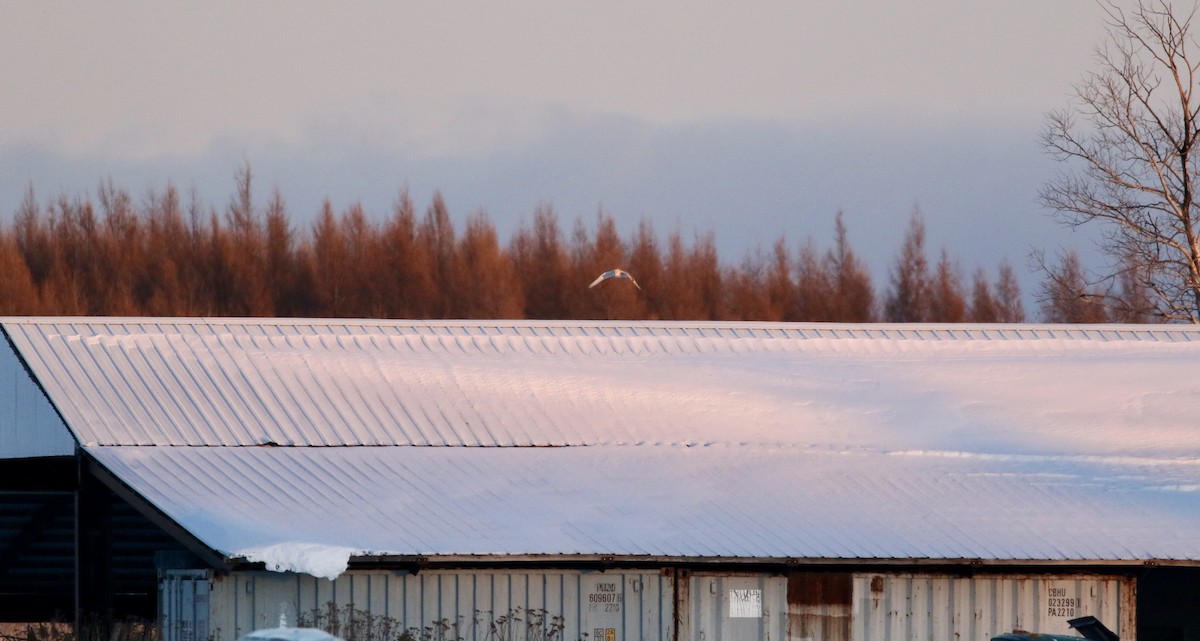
pixel 730 607
pixel 647 605
pixel 940 608
pixel 613 606
pixel 184 605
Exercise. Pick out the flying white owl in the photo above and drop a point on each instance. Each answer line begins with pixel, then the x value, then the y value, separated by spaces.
pixel 614 273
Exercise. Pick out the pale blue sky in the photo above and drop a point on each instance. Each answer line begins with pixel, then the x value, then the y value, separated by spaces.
pixel 750 120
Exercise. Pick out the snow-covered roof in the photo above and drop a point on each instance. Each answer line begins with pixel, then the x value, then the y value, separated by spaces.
pixel 269 439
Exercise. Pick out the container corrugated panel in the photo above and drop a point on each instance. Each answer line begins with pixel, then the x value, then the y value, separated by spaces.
pixel 732 607
pixel 940 608
pixel 617 606
pixel 820 605
pixel 29 426
pixel 184 605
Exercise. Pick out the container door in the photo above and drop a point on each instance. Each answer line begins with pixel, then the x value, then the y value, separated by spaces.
pixel 625 607
pixel 183 600
pixel 738 607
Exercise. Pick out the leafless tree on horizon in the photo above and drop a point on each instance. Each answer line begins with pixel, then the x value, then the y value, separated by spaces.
pixel 1130 138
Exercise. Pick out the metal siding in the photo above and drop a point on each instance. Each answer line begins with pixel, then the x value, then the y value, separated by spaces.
pixel 29 426
pixel 468 600
pixel 939 608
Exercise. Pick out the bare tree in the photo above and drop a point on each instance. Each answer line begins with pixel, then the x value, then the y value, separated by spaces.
pixel 908 301
pixel 437 234
pixel 1132 166
pixel 947 302
pixel 542 265
pixel 855 295
pixel 247 257
pixel 780 286
pixel 645 262
pixel 1066 296
pixel 410 291
pixel 487 285
pixel 984 308
pixel 816 295
pixel 1008 296
pixel 18 294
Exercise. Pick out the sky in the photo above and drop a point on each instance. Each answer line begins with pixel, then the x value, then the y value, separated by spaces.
pixel 752 121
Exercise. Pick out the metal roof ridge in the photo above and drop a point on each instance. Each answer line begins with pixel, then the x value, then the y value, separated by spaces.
pixel 560 323
pixel 725 329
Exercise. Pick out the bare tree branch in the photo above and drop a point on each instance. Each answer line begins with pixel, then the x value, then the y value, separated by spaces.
pixel 1129 143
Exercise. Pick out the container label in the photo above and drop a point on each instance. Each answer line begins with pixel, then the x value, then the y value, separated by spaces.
pixel 745 604
pixel 605 598
pixel 1060 604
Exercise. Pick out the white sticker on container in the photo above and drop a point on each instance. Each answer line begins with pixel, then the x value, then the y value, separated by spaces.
pixel 745 604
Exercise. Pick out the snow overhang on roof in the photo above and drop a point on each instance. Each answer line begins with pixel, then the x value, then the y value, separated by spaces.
pixel 297 441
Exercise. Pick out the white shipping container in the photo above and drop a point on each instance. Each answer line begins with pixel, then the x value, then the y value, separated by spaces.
pixel 612 606
pixel 183 605
pixel 735 607
pixel 649 605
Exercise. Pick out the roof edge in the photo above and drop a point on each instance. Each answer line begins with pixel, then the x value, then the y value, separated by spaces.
pixel 870 331
pixel 416 563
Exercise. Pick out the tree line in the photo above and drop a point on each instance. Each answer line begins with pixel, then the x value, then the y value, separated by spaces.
pixel 171 256
pixel 1129 137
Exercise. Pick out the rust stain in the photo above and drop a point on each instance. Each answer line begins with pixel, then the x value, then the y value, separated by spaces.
pixel 820 588
pixel 1127 594
pixel 682 588
pixel 819 605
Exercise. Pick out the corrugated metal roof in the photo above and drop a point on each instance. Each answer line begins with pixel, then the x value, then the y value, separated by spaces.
pixel 662 439
pixel 332 383
pixel 715 501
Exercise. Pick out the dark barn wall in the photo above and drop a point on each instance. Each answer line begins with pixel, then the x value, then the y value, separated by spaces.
pixel 42 501
pixel 37 539
pixel 1169 604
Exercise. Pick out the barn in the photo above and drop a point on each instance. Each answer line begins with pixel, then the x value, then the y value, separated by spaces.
pixel 615 480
